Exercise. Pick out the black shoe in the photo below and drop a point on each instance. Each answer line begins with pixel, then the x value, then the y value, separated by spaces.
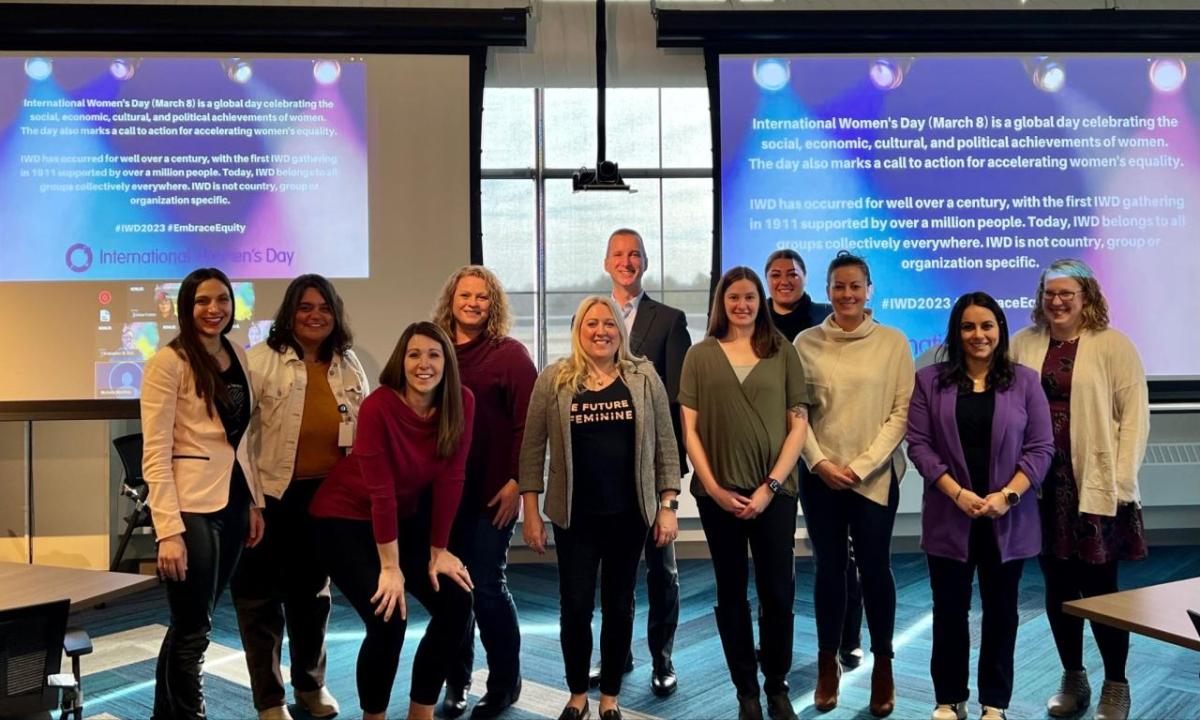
pixel 612 714
pixel 492 704
pixel 779 706
pixel 850 657
pixel 570 713
pixel 454 702
pixel 749 707
pixel 664 683
pixel 594 672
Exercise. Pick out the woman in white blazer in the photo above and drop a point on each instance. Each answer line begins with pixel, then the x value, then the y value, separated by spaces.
pixel 205 499
pixel 1090 504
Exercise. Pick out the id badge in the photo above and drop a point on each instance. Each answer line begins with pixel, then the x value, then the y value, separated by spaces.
pixel 345 434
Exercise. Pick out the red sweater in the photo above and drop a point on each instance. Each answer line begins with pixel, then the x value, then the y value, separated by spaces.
pixel 393 462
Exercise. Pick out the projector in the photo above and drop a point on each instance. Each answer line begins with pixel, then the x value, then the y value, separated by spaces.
pixel 606 176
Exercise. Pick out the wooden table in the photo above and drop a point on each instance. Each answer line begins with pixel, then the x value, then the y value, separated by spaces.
pixel 22 584
pixel 1158 611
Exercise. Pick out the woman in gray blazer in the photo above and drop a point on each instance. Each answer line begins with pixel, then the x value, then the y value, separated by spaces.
pixel 614 475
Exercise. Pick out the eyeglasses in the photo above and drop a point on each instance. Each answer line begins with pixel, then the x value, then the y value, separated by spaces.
pixel 1064 295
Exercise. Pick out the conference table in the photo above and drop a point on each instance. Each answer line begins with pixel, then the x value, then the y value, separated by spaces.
pixel 1157 611
pixel 23 584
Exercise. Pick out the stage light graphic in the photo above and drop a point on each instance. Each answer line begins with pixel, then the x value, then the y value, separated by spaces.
pixel 889 73
pixel 39 68
pixel 326 72
pixel 124 68
pixel 1167 74
pixel 1047 74
pixel 238 70
pixel 772 74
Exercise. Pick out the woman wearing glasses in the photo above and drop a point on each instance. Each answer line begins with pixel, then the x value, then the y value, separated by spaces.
pixel 1091 506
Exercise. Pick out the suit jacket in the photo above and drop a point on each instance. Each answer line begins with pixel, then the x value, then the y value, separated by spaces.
pixel 1021 440
pixel 660 335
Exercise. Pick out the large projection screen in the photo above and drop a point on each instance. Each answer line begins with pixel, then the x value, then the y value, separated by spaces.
pixel 119 173
pixel 960 172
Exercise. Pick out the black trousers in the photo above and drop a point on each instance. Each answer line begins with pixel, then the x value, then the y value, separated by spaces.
pixel 662 592
pixel 771 541
pixel 214 541
pixel 352 557
pixel 609 546
pixel 999 582
pixel 484 549
pixel 282 583
pixel 832 517
pixel 1074 579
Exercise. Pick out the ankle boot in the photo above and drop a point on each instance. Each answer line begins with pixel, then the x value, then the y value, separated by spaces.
pixel 749 707
pixel 829 674
pixel 883 689
pixel 737 640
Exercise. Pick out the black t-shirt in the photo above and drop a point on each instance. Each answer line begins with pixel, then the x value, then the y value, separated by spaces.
pixel 973 414
pixel 236 418
pixel 795 322
pixel 602 449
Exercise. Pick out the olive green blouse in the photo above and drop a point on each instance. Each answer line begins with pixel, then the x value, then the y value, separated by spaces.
pixel 742 425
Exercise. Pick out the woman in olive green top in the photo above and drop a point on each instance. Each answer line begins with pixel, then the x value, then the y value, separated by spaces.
pixel 743 399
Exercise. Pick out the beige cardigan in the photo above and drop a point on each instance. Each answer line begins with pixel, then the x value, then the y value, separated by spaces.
pixel 186 457
pixel 1110 414
pixel 656 456
pixel 859 386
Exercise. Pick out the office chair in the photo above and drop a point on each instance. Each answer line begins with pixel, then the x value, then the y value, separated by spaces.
pixel 32 641
pixel 129 449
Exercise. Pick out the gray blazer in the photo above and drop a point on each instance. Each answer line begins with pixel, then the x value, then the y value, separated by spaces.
pixel 656 459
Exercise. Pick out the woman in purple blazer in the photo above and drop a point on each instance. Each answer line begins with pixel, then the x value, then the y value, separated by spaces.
pixel 979 433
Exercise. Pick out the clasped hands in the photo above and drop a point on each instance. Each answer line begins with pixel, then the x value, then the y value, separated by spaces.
pixel 994 505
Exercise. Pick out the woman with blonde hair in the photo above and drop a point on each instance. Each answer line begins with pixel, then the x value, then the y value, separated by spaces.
pixel 614 474
pixel 473 310
pixel 1091 507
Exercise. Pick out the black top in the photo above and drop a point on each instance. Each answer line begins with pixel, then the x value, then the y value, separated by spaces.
pixel 806 314
pixel 973 414
pixel 236 418
pixel 602 449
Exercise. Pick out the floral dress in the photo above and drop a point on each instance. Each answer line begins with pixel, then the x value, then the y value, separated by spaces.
pixel 1066 532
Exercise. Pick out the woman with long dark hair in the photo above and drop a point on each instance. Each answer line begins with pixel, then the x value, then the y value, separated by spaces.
pixel 385 512
pixel 204 495
pixel 745 415
pixel 979 434
pixel 309 386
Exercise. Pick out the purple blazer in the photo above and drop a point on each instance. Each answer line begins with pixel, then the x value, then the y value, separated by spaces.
pixel 1021 440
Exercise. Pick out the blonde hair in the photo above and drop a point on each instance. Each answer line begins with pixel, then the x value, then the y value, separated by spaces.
pixel 573 369
pixel 1094 315
pixel 499 320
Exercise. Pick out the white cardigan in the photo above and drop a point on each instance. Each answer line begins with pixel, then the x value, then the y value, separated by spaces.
pixel 1110 414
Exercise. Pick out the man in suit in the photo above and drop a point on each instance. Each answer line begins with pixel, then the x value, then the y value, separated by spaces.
pixel 658 332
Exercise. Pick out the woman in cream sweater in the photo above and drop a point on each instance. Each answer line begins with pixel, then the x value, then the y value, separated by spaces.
pixel 860 378
pixel 1090 504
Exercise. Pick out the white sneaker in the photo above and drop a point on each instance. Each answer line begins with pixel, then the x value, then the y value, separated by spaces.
pixel 957 711
pixel 992 713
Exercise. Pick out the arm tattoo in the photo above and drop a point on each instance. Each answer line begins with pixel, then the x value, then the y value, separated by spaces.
pixel 800 412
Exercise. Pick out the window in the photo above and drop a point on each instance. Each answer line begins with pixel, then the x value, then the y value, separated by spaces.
pixel 533 221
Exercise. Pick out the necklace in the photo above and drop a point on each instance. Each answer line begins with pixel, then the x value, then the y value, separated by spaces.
pixel 598 379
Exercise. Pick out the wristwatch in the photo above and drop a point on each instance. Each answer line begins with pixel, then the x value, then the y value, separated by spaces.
pixel 1012 497
pixel 775 486
pixel 671 504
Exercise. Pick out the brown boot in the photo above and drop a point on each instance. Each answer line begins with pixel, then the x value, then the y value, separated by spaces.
pixel 883 689
pixel 829 674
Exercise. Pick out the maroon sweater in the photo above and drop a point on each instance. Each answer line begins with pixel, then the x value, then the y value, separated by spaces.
pixel 501 375
pixel 393 462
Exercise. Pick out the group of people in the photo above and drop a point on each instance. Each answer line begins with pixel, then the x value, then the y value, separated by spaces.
pixel 279 471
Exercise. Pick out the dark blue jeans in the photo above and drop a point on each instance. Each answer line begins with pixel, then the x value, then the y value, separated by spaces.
pixel 832 517
pixel 484 549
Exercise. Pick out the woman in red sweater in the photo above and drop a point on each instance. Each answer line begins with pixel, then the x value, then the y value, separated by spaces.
pixel 383 534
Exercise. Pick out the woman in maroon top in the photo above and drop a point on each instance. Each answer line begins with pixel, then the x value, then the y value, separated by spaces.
pixel 383 534
pixel 473 310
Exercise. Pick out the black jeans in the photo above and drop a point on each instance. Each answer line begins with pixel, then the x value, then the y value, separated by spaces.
pixel 771 540
pixel 662 592
pixel 831 518
pixel 999 582
pixel 484 548
pixel 282 582
pixel 608 545
pixel 1074 579
pixel 352 557
pixel 214 542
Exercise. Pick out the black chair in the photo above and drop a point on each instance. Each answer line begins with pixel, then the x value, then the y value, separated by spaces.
pixel 129 449
pixel 32 641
